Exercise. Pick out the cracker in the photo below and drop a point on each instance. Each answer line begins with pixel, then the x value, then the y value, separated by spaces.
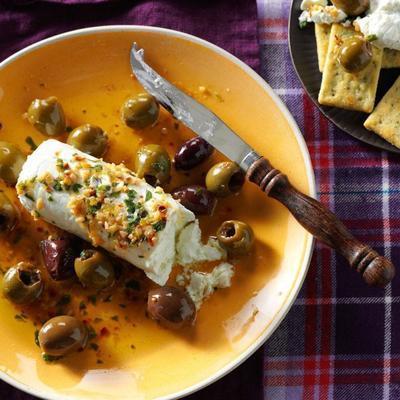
pixel 391 58
pixel 352 91
pixel 385 120
pixel 322 32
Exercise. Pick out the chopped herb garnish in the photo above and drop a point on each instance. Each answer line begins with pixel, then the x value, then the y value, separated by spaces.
pixel 75 187
pixel 31 143
pixel 37 337
pixel 20 317
pixel 60 163
pixel 97 167
pixel 97 320
pixel 49 358
pixel 28 196
pixel 107 299
pixel 103 188
pixel 371 38
pixel 69 129
pixel 92 299
pixel 122 305
pixel 132 193
pixel 91 333
pixel 50 198
pixel 94 346
pixel 133 284
pixel 115 318
pixel 91 209
pixel 36 213
pixel 82 305
pixel 149 195
pixel 159 226
pixel 303 24
pixel 64 300
pixel 57 186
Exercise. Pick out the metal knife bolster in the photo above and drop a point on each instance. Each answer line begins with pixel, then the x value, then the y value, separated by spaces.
pixel 192 114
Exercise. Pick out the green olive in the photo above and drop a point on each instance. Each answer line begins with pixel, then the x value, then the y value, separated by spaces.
pixel 140 111
pixel 11 161
pixel 90 139
pixel 47 116
pixel 225 178
pixel 22 284
pixel 62 335
pixel 152 163
pixel 352 7
pixel 94 269
pixel 9 214
pixel 235 237
pixel 355 54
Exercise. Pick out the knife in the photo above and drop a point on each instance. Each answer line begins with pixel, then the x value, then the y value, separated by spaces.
pixel 311 214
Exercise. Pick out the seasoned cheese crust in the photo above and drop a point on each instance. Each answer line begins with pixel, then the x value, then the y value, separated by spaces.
pixel 104 203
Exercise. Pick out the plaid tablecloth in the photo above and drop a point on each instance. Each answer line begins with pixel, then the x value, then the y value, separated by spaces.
pixel 341 340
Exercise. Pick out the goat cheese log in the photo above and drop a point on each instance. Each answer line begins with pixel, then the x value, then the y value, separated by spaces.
pixel 104 203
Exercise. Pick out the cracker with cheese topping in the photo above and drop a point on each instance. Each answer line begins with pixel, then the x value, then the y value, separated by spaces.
pixel 339 88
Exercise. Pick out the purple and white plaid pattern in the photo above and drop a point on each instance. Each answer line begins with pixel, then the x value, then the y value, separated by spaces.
pixel 341 340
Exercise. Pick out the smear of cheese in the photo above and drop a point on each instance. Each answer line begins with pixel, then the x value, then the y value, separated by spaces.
pixel 191 250
pixel 322 15
pixel 202 285
pixel 383 21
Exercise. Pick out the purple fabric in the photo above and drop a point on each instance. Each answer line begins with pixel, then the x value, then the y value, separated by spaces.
pixel 229 24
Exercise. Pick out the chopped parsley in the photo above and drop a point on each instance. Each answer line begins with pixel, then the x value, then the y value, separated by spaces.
pixel 29 141
pixel 92 299
pixel 50 198
pixel 30 197
pixel 97 167
pixel 49 358
pixel 36 333
pixel 64 300
pixel 149 195
pixel 303 24
pixel 57 185
pixel 371 38
pixel 159 226
pixel 94 346
pixel 60 163
pixel 82 305
pixel 115 318
pixel 91 209
pixel 75 187
pixel 133 284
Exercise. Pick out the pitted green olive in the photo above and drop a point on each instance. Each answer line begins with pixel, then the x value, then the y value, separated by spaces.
pixel 11 161
pixel 352 7
pixel 94 269
pixel 235 237
pixel 9 215
pixel 22 284
pixel 90 139
pixel 355 54
pixel 152 163
pixel 62 335
pixel 140 111
pixel 47 116
pixel 225 178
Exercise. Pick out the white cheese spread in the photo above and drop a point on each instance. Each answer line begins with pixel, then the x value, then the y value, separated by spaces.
pixel 382 21
pixel 320 14
pixel 202 285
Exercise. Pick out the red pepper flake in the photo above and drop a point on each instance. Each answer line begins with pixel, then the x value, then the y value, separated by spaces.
pixel 104 331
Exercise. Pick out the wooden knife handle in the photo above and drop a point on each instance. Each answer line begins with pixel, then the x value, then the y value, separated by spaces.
pixel 322 223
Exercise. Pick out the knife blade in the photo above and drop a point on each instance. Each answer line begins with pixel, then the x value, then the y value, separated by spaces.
pixel 192 113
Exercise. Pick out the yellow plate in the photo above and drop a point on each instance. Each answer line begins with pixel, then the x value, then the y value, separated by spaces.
pixel 88 70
